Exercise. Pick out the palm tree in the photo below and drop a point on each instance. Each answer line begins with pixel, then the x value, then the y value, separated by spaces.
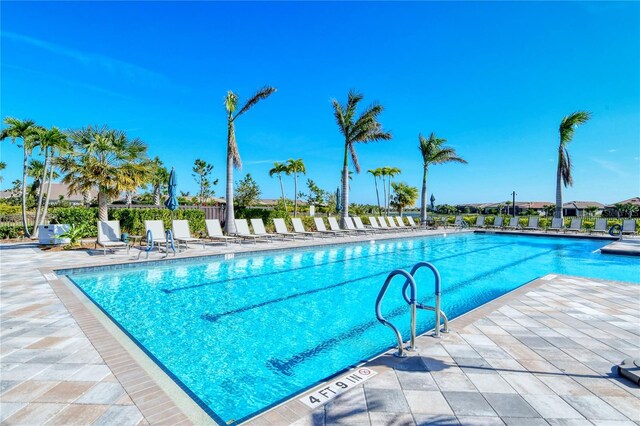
pixel 567 129
pixel 3 166
pixel 391 172
pixel 294 167
pixel 25 130
pixel 233 156
pixel 158 178
pixel 51 142
pixel 362 129
pixel 279 169
pixel 107 160
pixel 376 173
pixel 406 196
pixel 433 151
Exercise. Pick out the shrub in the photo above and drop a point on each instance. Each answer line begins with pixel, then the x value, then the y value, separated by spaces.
pixel 11 231
pixel 84 217
pixel 132 220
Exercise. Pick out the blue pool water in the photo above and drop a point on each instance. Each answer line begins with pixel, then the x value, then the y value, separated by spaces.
pixel 246 333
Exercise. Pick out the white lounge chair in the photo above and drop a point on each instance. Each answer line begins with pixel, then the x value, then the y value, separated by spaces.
pixel 359 225
pixel 334 226
pixel 628 227
pixel 412 224
pixel 374 224
pixel 479 222
pixel 352 227
pixel 242 231
pixel 298 228
pixel 401 224
pixel 498 221
pixel 182 233
pixel 457 222
pixel 281 229
pixel 575 226
pixel 156 235
pixel 600 226
pixel 320 226
pixel 557 224
pixel 514 223
pixel 109 236
pixel 383 224
pixel 258 229
pixel 533 224
pixel 214 232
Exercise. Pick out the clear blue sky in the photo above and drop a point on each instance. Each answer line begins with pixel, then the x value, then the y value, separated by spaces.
pixel 495 79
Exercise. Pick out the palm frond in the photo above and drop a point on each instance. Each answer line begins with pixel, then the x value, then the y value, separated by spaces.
pixel 261 94
pixel 569 124
pixel 354 158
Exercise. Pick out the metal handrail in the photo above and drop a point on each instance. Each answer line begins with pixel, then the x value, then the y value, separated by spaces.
pixel 412 302
pixel 436 309
pixel 169 237
pixel 149 238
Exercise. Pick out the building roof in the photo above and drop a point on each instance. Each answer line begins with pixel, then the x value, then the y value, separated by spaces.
pixel 582 204
pixel 58 189
pixel 634 200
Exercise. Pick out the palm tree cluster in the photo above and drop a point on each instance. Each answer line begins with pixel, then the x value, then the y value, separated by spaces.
pixel 291 167
pixel 385 173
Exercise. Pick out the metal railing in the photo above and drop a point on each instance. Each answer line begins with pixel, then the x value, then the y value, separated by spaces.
pixel 412 301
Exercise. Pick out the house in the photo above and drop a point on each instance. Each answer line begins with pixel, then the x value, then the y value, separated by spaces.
pixel 579 208
pixel 60 191
pixel 612 210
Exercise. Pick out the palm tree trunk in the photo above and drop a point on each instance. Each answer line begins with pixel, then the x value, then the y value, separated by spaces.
pixel 375 181
pixel 423 203
pixel 295 195
pixel 36 222
pixel 46 201
pixel 384 189
pixel 229 224
pixel 129 198
pixel 559 189
pixel 156 195
pixel 103 211
pixel 389 197
pixel 284 201
pixel 25 227
pixel 345 187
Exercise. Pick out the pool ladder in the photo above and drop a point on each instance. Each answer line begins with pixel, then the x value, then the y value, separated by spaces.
pixel 412 301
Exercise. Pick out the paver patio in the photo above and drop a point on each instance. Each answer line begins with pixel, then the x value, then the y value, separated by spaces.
pixel 543 354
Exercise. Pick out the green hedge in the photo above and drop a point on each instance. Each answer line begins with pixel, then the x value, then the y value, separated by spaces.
pixel 77 216
pixel 11 231
pixel 132 220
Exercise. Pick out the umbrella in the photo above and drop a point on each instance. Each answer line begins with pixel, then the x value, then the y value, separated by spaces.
pixel 172 200
pixel 433 202
pixel 338 200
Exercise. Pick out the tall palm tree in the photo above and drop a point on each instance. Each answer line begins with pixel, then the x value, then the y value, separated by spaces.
pixel 294 167
pixel 51 142
pixel 25 130
pixel 233 156
pixel 158 178
pixel 107 160
pixel 376 173
pixel 391 173
pixel 279 169
pixel 362 129
pixel 433 151
pixel 567 129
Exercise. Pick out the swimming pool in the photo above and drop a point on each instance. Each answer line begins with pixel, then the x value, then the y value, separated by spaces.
pixel 245 333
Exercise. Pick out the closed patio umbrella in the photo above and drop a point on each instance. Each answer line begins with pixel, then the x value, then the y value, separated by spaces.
pixel 172 201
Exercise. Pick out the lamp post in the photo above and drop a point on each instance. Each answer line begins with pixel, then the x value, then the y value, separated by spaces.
pixel 513 194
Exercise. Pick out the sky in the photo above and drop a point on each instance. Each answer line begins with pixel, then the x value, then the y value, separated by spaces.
pixel 493 78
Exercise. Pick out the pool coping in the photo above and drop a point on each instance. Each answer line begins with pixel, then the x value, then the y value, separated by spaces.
pixel 130 364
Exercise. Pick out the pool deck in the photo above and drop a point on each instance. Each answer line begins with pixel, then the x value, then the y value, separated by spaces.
pixel 542 354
